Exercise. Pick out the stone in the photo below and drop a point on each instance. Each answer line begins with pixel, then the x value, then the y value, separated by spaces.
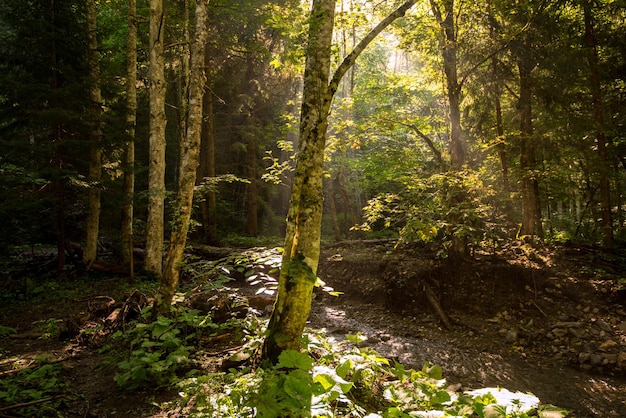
pixel 607 345
pixel 511 336
pixel 583 357
pixel 622 326
pixel 559 332
pixel 596 359
pixel 603 326
pixel 611 358
pixel 621 360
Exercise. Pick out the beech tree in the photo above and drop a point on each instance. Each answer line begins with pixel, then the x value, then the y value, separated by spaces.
pixel 153 262
pixel 95 139
pixel 301 252
pixel 189 158
pixel 129 146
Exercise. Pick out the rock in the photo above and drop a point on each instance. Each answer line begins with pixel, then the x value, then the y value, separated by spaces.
pixel 596 359
pixel 603 325
pixel 622 326
pixel 578 333
pixel 583 357
pixel 559 332
pixel 511 336
pixel 621 360
pixel 611 358
pixel 607 345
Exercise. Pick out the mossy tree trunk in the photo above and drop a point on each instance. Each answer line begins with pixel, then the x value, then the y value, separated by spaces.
pixel 302 240
pixel 189 159
pixel 153 262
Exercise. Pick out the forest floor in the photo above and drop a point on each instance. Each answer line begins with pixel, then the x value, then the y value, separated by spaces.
pixel 548 320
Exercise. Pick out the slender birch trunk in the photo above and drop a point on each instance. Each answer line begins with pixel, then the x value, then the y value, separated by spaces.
pixel 95 139
pixel 156 172
pixel 189 159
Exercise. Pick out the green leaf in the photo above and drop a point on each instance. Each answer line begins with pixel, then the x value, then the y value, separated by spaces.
pixel 434 371
pixel 344 368
pixel 292 359
pixel 325 380
pixel 440 397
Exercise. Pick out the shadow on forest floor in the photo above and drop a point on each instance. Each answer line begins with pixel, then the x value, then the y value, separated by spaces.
pixel 550 321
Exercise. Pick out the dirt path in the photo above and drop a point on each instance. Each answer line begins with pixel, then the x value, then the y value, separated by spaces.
pixel 414 341
pixel 478 350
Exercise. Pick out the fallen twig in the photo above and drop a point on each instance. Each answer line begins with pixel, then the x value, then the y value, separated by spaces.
pixel 31 403
pixel 540 310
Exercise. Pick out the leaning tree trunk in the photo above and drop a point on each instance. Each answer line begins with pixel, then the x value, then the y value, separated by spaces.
pixel 129 146
pixel 302 241
pixel 95 139
pixel 598 115
pixel 156 171
pixel 189 156
pixel 301 253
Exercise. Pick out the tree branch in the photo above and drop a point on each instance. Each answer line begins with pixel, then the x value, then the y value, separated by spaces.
pixel 424 137
pixel 350 59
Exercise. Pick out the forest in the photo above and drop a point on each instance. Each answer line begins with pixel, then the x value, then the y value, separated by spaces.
pixel 318 208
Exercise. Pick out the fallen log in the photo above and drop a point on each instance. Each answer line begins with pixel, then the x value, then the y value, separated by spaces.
pixel 432 299
pixel 361 242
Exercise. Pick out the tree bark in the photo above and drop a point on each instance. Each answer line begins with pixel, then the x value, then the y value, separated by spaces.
pixel 129 146
pixel 302 240
pixel 504 167
pixel 531 204
pixel 453 89
pixel 95 139
pixel 189 159
pixel 598 116
pixel 207 160
pixel 156 172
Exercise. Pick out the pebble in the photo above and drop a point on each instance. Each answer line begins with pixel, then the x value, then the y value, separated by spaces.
pixel 622 326
pixel 559 332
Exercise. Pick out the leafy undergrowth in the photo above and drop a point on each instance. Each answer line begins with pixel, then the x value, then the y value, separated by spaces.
pixel 326 379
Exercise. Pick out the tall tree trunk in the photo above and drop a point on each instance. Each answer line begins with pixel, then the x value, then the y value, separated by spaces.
pixel 332 207
pixel 252 221
pixel 56 139
pixel 449 49
pixel 458 248
pixel 598 116
pixel 189 159
pixel 504 167
pixel 302 240
pixel 207 160
pixel 95 139
pixel 129 146
pixel 531 205
pixel 156 170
